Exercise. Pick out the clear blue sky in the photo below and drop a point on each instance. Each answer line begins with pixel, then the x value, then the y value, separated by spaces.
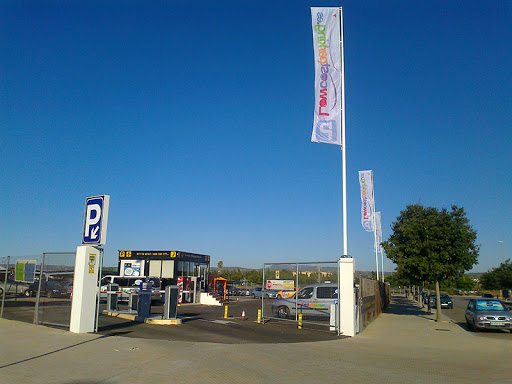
pixel 196 120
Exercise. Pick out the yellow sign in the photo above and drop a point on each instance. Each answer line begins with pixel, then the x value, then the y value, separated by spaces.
pixel 128 253
pixel 91 268
pixel 277 275
pixel 121 253
pixel 173 253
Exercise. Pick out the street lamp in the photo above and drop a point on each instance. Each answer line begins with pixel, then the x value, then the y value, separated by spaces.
pixel 502 252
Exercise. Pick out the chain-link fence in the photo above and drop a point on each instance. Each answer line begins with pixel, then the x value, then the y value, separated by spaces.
pixel 15 287
pixel 43 294
pixel 301 292
pixel 55 289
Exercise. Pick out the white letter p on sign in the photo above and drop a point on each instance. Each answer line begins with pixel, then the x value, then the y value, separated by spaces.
pixel 89 220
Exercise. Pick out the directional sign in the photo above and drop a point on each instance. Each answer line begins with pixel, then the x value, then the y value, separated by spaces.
pixel 95 221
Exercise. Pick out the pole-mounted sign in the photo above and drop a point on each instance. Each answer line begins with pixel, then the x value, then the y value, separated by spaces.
pixel 95 221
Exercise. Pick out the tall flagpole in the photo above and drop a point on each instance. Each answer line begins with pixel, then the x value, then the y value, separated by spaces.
pixel 343 143
pixel 375 229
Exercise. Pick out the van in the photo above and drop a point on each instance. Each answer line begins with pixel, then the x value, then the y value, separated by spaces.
pixel 313 300
pixel 129 285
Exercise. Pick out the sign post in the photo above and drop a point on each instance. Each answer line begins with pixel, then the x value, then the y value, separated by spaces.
pixel 88 263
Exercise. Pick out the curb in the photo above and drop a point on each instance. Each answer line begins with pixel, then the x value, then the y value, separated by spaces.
pixel 147 320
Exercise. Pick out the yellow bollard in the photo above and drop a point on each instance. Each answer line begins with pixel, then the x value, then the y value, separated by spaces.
pixel 225 311
pixel 299 326
pixel 259 316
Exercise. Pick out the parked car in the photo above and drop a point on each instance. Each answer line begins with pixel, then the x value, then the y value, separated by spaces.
pixel 446 301
pixel 487 296
pixel 311 300
pixel 259 292
pixel 51 288
pixel 488 314
pixel 13 287
pixel 233 291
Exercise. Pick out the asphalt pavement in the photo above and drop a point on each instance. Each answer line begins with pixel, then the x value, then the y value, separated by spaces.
pixel 403 345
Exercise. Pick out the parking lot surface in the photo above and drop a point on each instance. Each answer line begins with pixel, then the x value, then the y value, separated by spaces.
pixel 207 324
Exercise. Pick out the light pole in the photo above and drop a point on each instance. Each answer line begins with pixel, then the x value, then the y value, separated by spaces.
pixel 502 252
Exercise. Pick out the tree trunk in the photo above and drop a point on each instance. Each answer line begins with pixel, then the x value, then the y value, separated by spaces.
pixel 438 303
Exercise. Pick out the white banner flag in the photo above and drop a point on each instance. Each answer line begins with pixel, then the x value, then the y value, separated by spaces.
pixel 378 234
pixel 367 203
pixel 326 42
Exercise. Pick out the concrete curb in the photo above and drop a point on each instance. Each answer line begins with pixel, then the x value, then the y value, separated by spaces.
pixel 157 320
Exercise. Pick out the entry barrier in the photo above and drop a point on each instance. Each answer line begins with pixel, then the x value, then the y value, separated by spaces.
pixel 133 301
pixel 225 311
pixel 259 316
pixel 299 326
pixel 171 302
pixel 112 296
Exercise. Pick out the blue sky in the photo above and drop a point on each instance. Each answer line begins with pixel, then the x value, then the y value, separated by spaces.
pixel 196 120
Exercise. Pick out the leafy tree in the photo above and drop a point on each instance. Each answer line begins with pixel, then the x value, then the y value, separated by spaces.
pixel 433 245
pixel 220 264
pixel 498 278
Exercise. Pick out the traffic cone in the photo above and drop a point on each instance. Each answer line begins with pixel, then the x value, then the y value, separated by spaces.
pixel 243 314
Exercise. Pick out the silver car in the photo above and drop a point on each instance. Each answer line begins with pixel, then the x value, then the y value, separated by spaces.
pixel 312 300
pixel 488 314
pixel 13 287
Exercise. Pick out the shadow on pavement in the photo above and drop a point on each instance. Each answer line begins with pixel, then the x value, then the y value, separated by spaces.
pixel 403 306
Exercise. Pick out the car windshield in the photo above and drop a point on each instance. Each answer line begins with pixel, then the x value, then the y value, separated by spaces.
pixel 489 305
pixel 444 296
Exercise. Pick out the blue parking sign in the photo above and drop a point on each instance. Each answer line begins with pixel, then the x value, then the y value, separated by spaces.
pixel 95 220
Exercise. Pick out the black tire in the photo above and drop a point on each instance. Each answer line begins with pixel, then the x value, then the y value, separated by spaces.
pixel 253 296
pixel 283 312
pixel 49 294
pixel 279 297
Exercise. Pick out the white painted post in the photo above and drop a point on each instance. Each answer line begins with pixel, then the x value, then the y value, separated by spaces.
pixel 85 289
pixel 347 314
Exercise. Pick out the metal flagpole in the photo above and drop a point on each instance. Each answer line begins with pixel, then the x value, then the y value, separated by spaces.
pixel 382 259
pixel 343 144
pixel 375 229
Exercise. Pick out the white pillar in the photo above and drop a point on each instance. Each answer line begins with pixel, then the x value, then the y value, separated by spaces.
pixel 85 289
pixel 347 314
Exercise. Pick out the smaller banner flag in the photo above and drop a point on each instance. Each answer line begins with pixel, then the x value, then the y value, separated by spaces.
pixel 367 202
pixel 378 234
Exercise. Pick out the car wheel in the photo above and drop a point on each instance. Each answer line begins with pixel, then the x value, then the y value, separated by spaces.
pixel 283 312
pixel 267 296
pixel 48 294
pixel 279 297
pixel 253 296
pixel 474 327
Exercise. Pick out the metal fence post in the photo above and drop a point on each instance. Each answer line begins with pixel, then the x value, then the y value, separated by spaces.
pixel 5 286
pixel 36 310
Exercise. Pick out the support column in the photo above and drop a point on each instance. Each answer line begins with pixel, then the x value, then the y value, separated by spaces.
pixel 346 296
pixel 85 290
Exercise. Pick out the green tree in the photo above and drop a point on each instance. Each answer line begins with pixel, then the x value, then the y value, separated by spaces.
pixel 433 245
pixel 498 278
